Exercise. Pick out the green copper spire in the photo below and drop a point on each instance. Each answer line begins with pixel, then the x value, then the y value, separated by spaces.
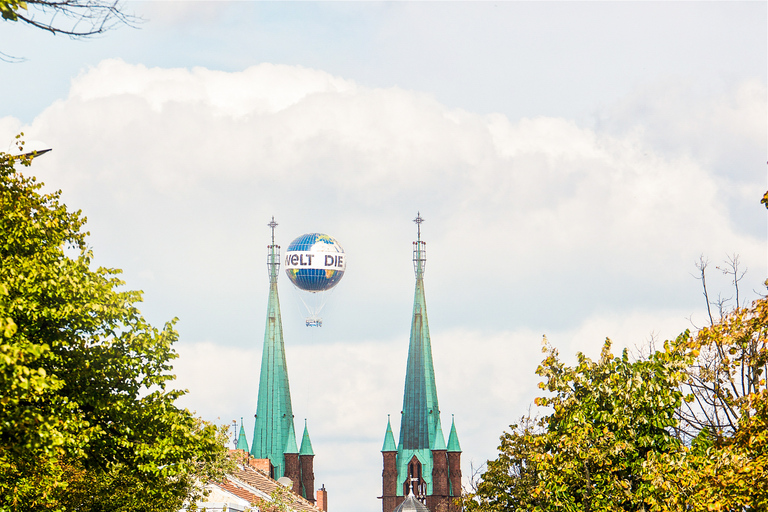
pixel 453 439
pixel 306 444
pixel 389 439
pixel 274 413
pixel 242 441
pixel 421 412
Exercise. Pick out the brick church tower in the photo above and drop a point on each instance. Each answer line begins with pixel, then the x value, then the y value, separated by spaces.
pixel 274 437
pixel 422 462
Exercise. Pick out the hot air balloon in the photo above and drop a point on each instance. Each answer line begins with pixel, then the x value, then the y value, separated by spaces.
pixel 315 263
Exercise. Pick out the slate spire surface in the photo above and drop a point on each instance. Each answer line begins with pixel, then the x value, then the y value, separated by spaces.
pixel 274 412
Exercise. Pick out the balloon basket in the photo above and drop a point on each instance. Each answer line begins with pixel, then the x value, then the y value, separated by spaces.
pixel 314 322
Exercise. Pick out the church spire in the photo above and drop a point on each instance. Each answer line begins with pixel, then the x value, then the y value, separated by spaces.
pixel 420 408
pixel 421 413
pixel 274 413
pixel 421 462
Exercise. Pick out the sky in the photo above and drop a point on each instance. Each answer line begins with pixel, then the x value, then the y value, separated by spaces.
pixel 572 162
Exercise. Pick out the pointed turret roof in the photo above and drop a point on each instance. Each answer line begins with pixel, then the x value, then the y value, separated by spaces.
pixel 389 439
pixel 242 441
pixel 439 438
pixel 306 444
pixel 453 439
pixel 274 413
pixel 290 443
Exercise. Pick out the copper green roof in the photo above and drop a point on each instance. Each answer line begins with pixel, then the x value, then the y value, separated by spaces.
pixel 290 443
pixel 439 443
pixel 421 413
pixel 453 439
pixel 306 444
pixel 274 413
pixel 389 439
pixel 242 441
pixel 420 408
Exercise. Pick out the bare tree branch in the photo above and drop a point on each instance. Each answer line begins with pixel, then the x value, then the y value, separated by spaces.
pixel 731 268
pixel 702 266
pixel 74 18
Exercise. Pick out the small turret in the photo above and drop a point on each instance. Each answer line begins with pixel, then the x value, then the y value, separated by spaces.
pixel 242 441
pixel 290 443
pixel 453 438
pixel 291 454
pixel 306 461
pixel 389 482
pixel 439 443
pixel 306 444
pixel 454 461
pixel 389 439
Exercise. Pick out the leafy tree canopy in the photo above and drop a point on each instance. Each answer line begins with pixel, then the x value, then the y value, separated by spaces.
pixel 681 429
pixel 86 418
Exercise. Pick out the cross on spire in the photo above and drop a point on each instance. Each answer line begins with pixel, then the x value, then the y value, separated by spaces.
pixel 273 225
pixel 418 220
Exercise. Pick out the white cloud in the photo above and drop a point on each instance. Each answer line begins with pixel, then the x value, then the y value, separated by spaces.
pixel 534 226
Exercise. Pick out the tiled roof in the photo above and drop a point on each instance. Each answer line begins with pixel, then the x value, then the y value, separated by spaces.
pixel 254 486
pixel 263 483
pixel 239 491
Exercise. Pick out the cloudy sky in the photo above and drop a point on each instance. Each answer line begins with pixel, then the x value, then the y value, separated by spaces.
pixel 572 161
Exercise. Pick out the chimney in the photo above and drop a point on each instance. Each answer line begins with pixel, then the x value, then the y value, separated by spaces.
pixel 322 499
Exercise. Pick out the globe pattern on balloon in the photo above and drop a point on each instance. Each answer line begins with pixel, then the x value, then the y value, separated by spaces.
pixel 308 252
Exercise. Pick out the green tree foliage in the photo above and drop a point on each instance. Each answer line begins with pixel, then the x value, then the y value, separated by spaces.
pixel 86 419
pixel 724 466
pixel 617 434
pixel 588 453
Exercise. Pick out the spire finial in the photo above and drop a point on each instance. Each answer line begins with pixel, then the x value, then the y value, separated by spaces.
pixel 419 248
pixel 273 258
pixel 273 225
pixel 418 220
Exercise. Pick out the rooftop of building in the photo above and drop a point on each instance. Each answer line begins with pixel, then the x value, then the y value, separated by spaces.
pixel 254 486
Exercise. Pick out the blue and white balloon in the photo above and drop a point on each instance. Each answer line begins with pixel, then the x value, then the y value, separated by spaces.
pixel 315 263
